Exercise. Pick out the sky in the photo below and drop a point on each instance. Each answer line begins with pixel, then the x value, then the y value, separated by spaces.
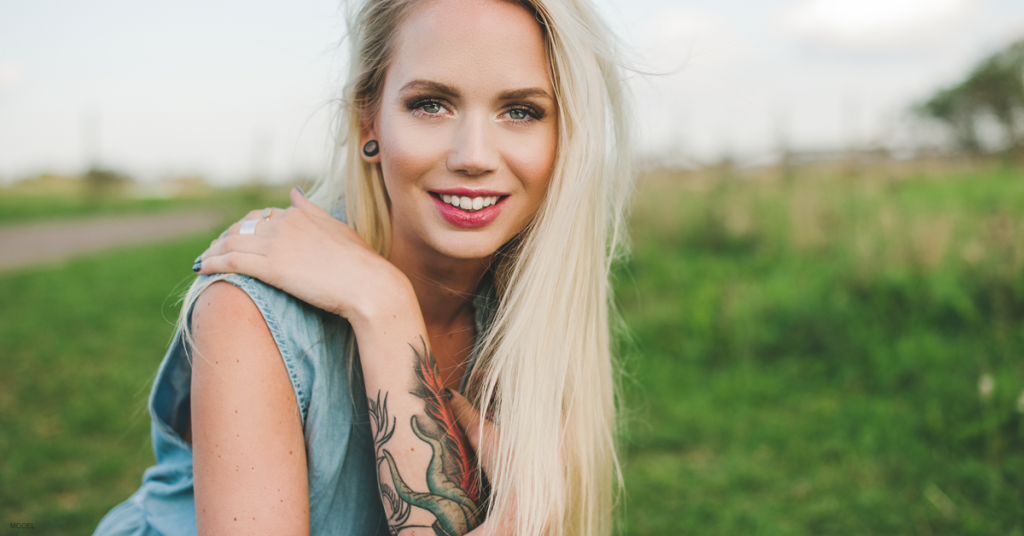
pixel 233 90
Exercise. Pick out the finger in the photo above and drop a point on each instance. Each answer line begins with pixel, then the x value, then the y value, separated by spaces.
pixel 235 262
pixel 237 226
pixel 253 215
pixel 271 213
pixel 233 230
pixel 236 244
pixel 469 420
pixel 300 202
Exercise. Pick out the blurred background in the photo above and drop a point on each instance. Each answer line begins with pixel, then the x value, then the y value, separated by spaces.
pixel 825 298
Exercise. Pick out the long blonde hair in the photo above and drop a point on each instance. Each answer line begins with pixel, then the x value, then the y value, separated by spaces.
pixel 545 365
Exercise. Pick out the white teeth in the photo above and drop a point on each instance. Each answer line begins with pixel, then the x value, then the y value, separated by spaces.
pixel 469 204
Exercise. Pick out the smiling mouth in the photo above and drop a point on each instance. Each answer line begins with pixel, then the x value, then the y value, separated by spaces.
pixel 469 204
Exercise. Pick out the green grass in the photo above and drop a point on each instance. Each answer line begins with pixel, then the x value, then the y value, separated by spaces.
pixel 807 357
pixel 79 346
pixel 805 360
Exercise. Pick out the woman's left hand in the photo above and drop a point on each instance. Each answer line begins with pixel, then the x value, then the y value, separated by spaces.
pixel 309 254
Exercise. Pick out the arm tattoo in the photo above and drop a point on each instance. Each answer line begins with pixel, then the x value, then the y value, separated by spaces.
pixel 456 492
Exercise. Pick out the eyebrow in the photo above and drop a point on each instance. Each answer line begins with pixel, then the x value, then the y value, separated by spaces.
pixel 451 91
pixel 525 94
pixel 436 87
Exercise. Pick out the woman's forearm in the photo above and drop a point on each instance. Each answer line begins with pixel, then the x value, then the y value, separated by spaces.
pixel 425 467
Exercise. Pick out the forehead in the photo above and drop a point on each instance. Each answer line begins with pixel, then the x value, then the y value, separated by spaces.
pixel 471 44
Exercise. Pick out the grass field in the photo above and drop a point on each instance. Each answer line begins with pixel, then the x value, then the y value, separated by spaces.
pixel 808 356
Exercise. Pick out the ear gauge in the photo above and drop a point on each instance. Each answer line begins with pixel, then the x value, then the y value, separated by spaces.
pixel 371 148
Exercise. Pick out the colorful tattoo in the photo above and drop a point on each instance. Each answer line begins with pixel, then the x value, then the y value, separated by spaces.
pixel 455 489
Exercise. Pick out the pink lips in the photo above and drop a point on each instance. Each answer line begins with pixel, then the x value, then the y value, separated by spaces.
pixel 469 220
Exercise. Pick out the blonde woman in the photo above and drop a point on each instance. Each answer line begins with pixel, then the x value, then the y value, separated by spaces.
pixel 338 369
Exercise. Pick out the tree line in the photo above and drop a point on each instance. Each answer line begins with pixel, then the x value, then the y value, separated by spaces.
pixel 990 97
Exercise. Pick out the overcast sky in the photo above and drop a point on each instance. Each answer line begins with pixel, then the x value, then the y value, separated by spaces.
pixel 230 88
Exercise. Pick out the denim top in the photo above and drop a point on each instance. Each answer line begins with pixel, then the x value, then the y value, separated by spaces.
pixel 343 493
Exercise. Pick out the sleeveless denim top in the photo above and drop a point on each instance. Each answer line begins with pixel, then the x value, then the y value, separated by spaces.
pixel 343 493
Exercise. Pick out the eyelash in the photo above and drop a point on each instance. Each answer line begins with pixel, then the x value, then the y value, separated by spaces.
pixel 532 114
pixel 415 106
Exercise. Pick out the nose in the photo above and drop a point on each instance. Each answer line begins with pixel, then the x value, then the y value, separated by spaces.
pixel 473 152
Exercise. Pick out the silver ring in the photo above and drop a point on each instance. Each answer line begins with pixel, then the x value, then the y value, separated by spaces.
pixel 267 212
pixel 248 227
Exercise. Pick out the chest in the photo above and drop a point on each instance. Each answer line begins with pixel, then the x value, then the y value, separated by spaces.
pixel 452 348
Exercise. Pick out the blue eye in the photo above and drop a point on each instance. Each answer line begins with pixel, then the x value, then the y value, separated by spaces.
pixel 523 114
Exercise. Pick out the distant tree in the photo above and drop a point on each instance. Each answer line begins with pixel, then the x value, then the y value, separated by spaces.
pixel 995 88
pixel 950 107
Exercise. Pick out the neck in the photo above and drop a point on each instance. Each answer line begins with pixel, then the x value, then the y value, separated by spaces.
pixel 444 286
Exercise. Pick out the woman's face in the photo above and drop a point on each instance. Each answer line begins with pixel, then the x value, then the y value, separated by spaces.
pixel 467 127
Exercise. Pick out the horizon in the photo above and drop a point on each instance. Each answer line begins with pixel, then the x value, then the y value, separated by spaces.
pixel 233 91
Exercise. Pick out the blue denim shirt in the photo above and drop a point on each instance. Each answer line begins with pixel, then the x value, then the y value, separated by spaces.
pixel 343 493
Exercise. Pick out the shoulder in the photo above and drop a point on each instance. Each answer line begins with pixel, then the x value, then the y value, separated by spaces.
pixel 242 302
pixel 227 329
pixel 245 313
pixel 236 334
pixel 234 349
pixel 224 305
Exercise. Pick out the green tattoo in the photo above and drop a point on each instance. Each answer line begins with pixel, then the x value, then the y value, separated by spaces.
pixel 455 489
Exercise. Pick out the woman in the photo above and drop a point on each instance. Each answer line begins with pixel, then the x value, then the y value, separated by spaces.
pixel 484 164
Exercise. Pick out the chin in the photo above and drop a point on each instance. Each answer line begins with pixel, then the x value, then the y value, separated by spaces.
pixel 467 246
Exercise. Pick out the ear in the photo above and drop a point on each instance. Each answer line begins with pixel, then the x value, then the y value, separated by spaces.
pixel 367 133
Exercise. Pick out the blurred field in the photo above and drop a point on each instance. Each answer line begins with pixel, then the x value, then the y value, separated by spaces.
pixel 50 197
pixel 826 353
pixel 813 352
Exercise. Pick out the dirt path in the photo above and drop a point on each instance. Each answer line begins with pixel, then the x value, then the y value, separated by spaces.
pixel 27 244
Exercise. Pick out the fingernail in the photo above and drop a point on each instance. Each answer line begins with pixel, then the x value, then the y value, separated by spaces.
pixel 198 260
pixel 448 394
pixel 197 266
pixel 299 188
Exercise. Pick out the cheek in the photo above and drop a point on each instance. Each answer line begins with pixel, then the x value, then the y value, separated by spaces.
pixel 532 161
pixel 407 153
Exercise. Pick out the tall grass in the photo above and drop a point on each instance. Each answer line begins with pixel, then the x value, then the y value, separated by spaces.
pixel 808 353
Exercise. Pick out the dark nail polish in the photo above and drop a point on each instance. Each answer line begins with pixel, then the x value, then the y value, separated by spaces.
pixel 198 260
pixel 299 188
pixel 197 266
pixel 448 394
